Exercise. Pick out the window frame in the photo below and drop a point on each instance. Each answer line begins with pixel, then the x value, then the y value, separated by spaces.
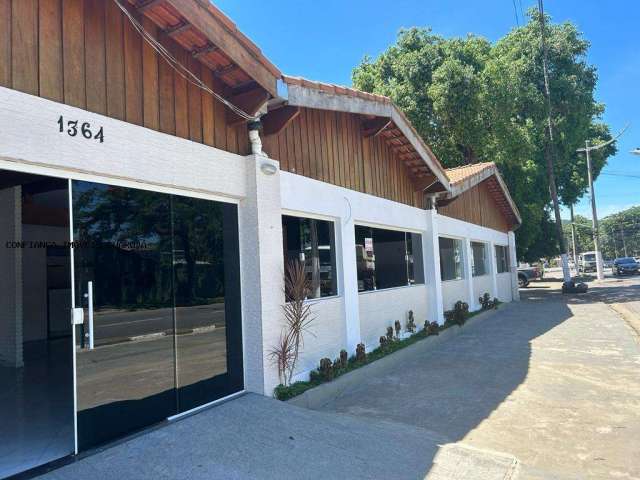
pixel 505 258
pixel 336 259
pixel 463 257
pixel 485 258
pixel 408 233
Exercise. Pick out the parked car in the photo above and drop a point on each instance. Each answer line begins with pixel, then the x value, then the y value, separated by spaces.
pixel 607 263
pixel 527 272
pixel 626 266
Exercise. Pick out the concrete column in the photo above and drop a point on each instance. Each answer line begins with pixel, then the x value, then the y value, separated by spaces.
pixel 468 278
pixel 347 242
pixel 431 258
pixel 493 269
pixel 513 267
pixel 11 313
pixel 262 272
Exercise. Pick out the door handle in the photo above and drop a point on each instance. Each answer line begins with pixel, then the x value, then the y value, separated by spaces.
pixel 89 297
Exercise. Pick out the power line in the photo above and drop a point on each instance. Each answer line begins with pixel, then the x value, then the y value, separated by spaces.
pixel 515 10
pixel 620 175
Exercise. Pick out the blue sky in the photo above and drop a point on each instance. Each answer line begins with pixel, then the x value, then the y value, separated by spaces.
pixel 325 40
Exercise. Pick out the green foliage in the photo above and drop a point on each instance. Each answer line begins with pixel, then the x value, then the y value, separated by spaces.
pixel 472 100
pixel 487 303
pixel 457 316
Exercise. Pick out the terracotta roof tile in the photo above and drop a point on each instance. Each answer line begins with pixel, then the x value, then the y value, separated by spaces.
pixel 459 174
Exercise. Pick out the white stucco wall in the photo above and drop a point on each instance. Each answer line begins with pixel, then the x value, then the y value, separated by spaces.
pixel 504 287
pixel 381 308
pixel 481 285
pixel 452 291
pixel 326 335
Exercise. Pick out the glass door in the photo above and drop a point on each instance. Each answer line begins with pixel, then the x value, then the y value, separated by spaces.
pixel 157 277
pixel 36 346
pixel 125 357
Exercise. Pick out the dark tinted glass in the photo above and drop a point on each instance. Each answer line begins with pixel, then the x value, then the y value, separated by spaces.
pixel 166 332
pixel 387 258
pixel 450 259
pixel 124 248
pixel 502 259
pixel 36 363
pixel 206 282
pixel 479 259
pixel 313 242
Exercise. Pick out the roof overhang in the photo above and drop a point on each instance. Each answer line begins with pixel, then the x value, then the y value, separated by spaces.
pixel 498 188
pixel 304 93
pixel 214 40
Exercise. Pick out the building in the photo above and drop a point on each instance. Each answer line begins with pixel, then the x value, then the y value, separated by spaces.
pixel 144 234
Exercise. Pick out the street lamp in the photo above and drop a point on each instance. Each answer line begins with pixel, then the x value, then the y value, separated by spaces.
pixel 596 237
pixel 635 151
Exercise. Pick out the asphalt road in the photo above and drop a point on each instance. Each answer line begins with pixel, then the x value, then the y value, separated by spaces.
pixel 114 326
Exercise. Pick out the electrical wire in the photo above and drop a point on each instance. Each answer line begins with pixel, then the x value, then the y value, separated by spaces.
pixel 178 67
pixel 620 175
pixel 515 10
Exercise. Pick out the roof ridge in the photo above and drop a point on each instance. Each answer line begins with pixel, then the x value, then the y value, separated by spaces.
pixel 483 164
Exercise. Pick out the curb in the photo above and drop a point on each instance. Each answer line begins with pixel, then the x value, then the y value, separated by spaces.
pixel 320 395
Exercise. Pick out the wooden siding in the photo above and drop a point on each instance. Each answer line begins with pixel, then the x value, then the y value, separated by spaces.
pixel 329 146
pixel 477 206
pixel 85 53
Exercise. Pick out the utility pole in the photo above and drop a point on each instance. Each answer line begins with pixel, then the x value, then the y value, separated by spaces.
pixel 549 150
pixel 596 240
pixel 624 244
pixel 594 215
pixel 573 237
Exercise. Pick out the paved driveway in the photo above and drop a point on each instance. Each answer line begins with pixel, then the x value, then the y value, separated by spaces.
pixel 553 381
pixel 545 389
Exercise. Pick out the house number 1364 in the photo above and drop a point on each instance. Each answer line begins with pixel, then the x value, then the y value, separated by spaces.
pixel 74 127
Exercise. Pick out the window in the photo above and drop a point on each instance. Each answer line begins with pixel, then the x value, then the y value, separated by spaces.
pixel 450 259
pixel 313 243
pixel 479 259
pixel 388 258
pixel 502 259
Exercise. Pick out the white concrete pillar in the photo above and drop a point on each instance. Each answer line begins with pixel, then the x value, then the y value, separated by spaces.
pixel 513 267
pixel 431 258
pixel 262 272
pixel 347 241
pixel 11 312
pixel 493 269
pixel 468 277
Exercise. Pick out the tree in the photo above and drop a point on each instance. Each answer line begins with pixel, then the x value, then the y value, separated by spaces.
pixel 476 101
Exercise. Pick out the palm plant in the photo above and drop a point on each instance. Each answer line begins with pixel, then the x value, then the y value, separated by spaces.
pixel 297 320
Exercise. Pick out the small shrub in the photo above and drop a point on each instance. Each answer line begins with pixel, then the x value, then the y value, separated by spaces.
pixel 344 359
pixel 326 369
pixel 390 334
pixel 411 323
pixel 384 342
pixel 487 303
pixel 361 354
pixel 458 315
pixel 431 328
pixel 496 302
pixel 398 328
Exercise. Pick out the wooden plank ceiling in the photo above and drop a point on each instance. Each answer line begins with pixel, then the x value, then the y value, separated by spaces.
pixel 250 86
pixel 394 138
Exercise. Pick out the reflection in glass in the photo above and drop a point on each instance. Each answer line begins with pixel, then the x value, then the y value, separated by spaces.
pixel 450 259
pixel 122 244
pixel 36 367
pixel 207 326
pixel 312 242
pixel 478 259
pixel 162 272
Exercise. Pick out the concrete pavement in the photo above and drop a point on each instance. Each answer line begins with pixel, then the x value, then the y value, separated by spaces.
pixel 553 382
pixel 544 389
